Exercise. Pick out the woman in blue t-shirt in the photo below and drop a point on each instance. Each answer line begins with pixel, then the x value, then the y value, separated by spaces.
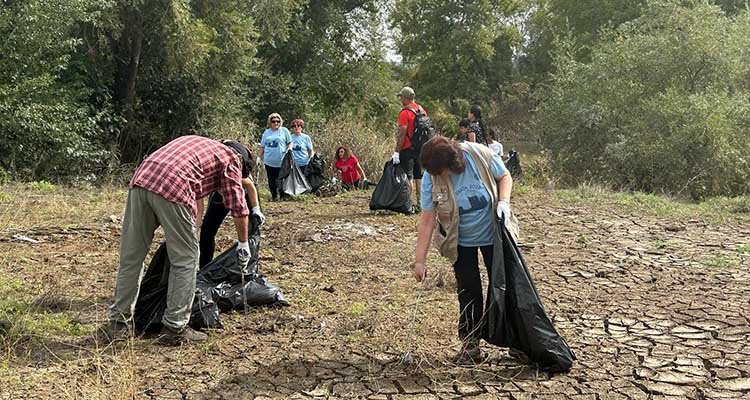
pixel 302 147
pixel 274 143
pixel 476 220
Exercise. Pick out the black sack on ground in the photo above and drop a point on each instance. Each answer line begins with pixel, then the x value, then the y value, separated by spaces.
pixel 314 173
pixel 225 281
pixel 513 164
pixel 152 298
pixel 217 281
pixel 515 316
pixel 291 179
pixel 392 192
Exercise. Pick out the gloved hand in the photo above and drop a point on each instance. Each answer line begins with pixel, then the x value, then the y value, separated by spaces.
pixel 256 211
pixel 395 158
pixel 503 209
pixel 243 255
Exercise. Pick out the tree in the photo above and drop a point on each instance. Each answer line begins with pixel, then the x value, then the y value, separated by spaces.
pixel 662 105
pixel 47 129
pixel 457 49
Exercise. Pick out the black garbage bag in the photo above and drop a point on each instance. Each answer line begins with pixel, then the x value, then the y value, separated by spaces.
pixel 225 280
pixel 217 281
pixel 314 173
pixel 291 179
pixel 392 191
pixel 513 164
pixel 152 298
pixel 515 316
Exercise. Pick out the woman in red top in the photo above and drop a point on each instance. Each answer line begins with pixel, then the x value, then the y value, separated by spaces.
pixel 347 166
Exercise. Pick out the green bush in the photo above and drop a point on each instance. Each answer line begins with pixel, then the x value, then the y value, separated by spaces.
pixel 663 105
pixel 47 129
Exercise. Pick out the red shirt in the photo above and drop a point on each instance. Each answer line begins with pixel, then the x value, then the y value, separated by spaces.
pixel 190 168
pixel 406 118
pixel 348 168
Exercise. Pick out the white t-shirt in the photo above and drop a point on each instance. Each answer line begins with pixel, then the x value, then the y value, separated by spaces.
pixel 497 147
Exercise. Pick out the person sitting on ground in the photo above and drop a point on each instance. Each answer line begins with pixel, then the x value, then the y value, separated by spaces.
pixel 350 171
pixel 209 225
pixel 495 146
pixel 477 125
pixel 463 194
pixel 164 192
pixel 464 134
pixel 274 144
pixel 302 147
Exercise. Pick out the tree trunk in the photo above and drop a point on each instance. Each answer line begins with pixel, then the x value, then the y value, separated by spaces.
pixel 127 51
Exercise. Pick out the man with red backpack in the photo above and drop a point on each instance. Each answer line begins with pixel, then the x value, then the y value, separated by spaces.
pixel 414 129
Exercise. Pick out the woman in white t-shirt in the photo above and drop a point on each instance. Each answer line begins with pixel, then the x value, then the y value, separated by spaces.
pixel 497 147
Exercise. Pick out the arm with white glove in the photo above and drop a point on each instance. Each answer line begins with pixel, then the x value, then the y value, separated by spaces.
pixel 504 187
pixel 252 194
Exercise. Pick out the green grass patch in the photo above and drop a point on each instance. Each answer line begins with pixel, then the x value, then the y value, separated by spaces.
pixel 743 249
pixel 713 210
pixel 357 309
pixel 20 317
pixel 42 186
pixel 720 262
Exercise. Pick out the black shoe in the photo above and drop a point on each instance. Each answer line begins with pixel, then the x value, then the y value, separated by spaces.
pixel 470 353
pixel 187 335
pixel 117 330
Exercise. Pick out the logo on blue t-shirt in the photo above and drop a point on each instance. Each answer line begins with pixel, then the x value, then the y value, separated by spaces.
pixel 272 143
pixel 297 147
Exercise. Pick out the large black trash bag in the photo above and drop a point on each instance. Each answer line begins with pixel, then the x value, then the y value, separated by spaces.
pixel 515 316
pixel 314 173
pixel 217 281
pixel 291 179
pixel 513 164
pixel 152 298
pixel 392 192
pixel 225 280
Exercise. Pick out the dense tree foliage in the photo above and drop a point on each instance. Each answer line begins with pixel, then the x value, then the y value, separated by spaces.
pixel 663 105
pixel 648 94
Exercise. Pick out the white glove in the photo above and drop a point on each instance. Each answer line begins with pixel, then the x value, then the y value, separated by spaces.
pixel 503 209
pixel 256 211
pixel 243 255
pixel 395 158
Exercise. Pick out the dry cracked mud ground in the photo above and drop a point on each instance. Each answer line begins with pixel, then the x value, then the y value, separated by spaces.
pixel 654 307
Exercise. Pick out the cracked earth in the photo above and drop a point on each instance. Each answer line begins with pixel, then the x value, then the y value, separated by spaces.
pixel 654 307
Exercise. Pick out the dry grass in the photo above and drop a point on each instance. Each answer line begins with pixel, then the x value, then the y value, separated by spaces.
pixel 354 301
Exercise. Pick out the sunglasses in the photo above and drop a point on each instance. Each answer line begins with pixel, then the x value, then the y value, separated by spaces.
pixel 275 121
pixel 296 126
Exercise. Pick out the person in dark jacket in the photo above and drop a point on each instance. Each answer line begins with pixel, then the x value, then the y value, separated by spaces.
pixel 216 211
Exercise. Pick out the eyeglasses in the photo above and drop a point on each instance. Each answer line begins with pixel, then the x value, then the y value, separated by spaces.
pixel 275 121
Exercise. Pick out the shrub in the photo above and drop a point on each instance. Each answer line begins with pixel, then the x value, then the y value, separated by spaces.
pixel 663 105
pixel 371 140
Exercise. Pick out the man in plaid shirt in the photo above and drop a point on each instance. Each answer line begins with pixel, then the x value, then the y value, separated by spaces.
pixel 167 190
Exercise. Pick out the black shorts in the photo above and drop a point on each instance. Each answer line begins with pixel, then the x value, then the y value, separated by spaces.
pixel 409 161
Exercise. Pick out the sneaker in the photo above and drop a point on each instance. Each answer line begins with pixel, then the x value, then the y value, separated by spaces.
pixel 117 330
pixel 187 335
pixel 470 353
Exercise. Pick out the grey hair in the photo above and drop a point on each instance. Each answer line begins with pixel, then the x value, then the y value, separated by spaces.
pixel 270 116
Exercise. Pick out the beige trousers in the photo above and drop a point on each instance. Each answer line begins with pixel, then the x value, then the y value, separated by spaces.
pixel 144 212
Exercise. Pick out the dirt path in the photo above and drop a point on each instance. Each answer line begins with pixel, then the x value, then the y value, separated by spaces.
pixel 654 309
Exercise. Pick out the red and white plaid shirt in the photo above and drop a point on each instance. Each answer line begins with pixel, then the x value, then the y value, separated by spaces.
pixel 192 167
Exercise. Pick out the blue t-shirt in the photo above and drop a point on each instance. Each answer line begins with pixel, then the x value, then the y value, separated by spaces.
pixel 475 213
pixel 275 144
pixel 301 149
